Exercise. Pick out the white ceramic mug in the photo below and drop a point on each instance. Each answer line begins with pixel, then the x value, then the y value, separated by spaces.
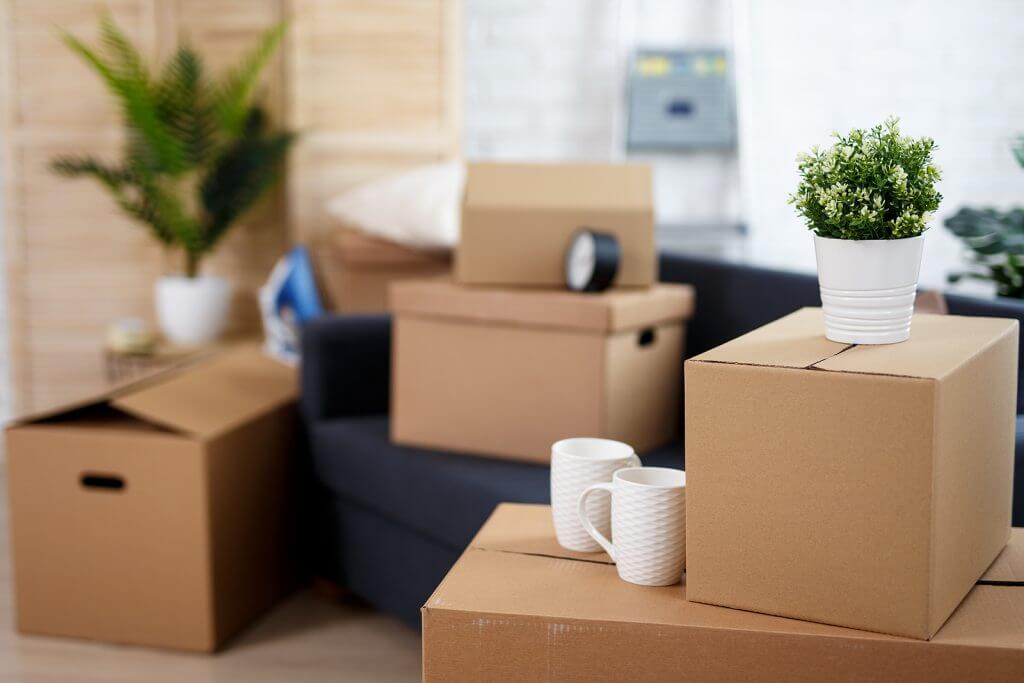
pixel 575 465
pixel 648 524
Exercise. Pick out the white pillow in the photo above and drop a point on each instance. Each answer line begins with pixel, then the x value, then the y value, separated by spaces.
pixel 418 208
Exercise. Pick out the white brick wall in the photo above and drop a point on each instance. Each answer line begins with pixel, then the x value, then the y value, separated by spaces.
pixel 545 81
pixel 951 70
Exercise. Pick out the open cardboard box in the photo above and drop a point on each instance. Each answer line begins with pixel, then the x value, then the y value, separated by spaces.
pixel 157 514
pixel 517 606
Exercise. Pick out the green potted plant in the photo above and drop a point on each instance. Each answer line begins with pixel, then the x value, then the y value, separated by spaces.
pixel 868 199
pixel 198 154
pixel 996 241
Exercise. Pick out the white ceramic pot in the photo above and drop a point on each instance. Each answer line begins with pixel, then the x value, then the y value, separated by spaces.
pixel 868 288
pixel 192 311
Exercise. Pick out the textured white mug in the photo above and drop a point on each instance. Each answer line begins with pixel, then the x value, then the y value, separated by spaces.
pixel 575 465
pixel 648 524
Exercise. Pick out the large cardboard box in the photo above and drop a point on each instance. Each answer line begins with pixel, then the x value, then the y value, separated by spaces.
pixel 509 372
pixel 518 220
pixel 157 514
pixel 356 269
pixel 865 486
pixel 517 606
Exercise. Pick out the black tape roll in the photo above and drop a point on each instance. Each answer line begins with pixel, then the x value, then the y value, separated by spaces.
pixel 606 258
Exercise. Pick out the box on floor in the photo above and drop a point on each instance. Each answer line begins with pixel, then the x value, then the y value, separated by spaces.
pixel 355 269
pixel 518 221
pixel 864 486
pixel 517 606
pixel 157 514
pixel 508 372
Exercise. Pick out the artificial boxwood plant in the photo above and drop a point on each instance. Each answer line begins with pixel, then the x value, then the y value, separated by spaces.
pixel 198 152
pixel 874 184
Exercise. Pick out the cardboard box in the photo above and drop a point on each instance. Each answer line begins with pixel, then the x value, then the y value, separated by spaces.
pixel 516 606
pixel 509 372
pixel 157 514
pixel 356 269
pixel 865 486
pixel 518 220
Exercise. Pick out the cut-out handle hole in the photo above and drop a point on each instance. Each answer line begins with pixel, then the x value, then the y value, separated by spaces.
pixel 646 337
pixel 103 482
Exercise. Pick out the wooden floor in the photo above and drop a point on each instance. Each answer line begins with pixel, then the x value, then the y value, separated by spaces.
pixel 306 639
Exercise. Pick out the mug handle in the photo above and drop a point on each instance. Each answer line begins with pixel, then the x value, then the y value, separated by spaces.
pixel 588 526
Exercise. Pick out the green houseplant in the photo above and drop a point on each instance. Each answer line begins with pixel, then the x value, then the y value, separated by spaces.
pixel 996 241
pixel 198 154
pixel 868 199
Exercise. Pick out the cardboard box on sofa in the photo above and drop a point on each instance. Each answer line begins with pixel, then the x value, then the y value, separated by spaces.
pixel 865 486
pixel 355 269
pixel 517 606
pixel 509 372
pixel 157 514
pixel 518 220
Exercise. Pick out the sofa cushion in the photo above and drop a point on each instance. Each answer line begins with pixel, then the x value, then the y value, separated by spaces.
pixel 444 496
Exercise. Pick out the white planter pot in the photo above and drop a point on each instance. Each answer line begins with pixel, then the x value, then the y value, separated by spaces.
pixel 868 288
pixel 192 311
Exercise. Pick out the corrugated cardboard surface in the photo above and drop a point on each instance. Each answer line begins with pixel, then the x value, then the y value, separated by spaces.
pixel 613 310
pixel 195 543
pixel 862 486
pixel 518 606
pixel 508 373
pixel 518 220
pixel 354 270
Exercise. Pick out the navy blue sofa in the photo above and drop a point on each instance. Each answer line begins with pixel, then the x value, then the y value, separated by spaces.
pixel 396 518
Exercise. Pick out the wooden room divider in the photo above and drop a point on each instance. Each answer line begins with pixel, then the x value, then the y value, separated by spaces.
pixel 371 85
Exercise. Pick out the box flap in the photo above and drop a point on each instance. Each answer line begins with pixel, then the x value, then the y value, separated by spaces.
pixel 609 311
pixel 527 530
pixel 215 397
pixel 108 393
pixel 515 568
pixel 623 187
pixel 938 345
pixel 794 341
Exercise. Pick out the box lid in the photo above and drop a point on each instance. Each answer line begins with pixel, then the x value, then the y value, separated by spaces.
pixel 507 186
pixel 938 345
pixel 580 586
pixel 609 311
pixel 200 399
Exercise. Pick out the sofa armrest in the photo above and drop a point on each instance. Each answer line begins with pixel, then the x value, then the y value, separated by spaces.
pixel 346 366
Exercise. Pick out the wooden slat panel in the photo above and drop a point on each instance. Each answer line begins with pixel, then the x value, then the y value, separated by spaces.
pixel 373 82
pixel 54 87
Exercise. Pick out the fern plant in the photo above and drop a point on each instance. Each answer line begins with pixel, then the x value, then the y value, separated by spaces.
pixel 198 153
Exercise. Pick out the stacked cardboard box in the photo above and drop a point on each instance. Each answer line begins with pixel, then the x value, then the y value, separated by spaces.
pixel 505 361
pixel 517 606
pixel 862 490
pixel 864 486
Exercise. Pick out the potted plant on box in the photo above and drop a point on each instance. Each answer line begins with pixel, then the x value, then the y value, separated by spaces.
pixel 868 199
pixel 198 154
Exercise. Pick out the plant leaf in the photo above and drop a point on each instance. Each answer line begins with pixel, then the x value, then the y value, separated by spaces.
pixel 231 98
